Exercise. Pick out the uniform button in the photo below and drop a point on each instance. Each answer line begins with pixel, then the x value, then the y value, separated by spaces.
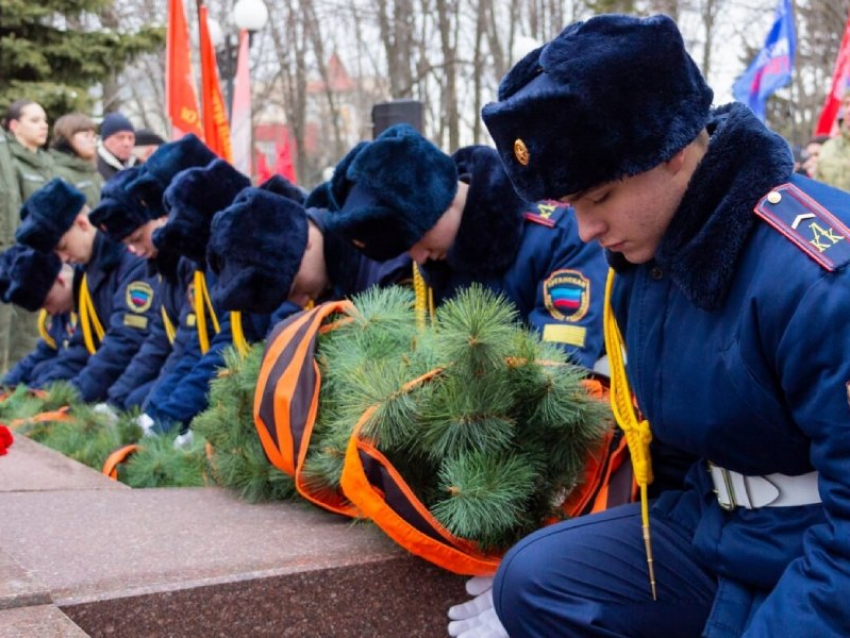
pixel 773 197
pixel 656 273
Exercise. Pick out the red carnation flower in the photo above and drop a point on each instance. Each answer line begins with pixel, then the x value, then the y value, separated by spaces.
pixel 6 439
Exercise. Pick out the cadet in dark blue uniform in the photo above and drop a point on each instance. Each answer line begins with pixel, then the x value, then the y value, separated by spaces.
pixel 114 299
pixel 38 281
pixel 272 257
pixel 192 199
pixel 731 291
pixel 460 219
pixel 122 215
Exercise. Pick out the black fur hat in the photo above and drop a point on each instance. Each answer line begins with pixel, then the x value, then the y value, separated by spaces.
pixel 256 246
pixel 119 213
pixel 163 165
pixel 279 185
pixel 608 98
pixel 391 192
pixel 48 214
pixel 27 275
pixel 193 197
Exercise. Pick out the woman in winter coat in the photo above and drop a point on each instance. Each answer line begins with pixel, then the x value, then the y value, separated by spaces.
pixel 26 128
pixel 74 151
pixel 25 132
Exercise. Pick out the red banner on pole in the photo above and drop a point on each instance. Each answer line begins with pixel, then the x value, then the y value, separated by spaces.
pixel 180 96
pixel 840 83
pixel 216 128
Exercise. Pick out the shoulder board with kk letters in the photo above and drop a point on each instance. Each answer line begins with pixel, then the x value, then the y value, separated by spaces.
pixel 546 213
pixel 810 226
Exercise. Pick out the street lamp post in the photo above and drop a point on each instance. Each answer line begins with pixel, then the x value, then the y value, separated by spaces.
pixel 248 15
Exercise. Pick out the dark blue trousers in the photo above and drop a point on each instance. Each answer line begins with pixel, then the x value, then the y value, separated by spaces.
pixel 588 577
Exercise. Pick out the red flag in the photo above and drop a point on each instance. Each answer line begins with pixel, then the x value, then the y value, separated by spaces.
pixel 263 171
pixel 180 97
pixel 240 116
pixel 840 83
pixel 216 128
pixel 283 163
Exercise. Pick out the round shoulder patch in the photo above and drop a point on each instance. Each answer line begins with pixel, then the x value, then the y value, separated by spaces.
pixel 139 296
pixel 566 294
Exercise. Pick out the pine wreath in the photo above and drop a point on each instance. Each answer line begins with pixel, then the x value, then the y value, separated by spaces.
pixel 490 443
pixel 237 460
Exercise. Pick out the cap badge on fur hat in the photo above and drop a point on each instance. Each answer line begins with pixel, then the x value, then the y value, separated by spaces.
pixel 521 152
pixel 565 102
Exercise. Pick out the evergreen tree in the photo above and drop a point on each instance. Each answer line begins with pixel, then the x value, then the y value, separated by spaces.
pixel 53 51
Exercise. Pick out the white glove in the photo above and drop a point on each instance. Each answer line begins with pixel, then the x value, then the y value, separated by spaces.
pixel 106 410
pixel 183 441
pixel 146 423
pixel 476 618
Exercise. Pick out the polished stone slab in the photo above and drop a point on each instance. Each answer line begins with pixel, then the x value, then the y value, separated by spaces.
pixel 41 621
pixel 31 467
pixel 201 562
pixel 18 587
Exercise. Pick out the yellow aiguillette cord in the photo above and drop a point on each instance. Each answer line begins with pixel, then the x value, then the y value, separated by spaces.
pixel 88 317
pixel 202 301
pixel 423 305
pixel 239 340
pixel 638 434
pixel 170 331
pixel 42 329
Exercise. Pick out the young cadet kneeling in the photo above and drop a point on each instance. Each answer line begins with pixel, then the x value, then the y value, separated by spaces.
pixel 731 292
pixel 192 198
pixel 274 256
pixel 130 211
pixel 114 299
pixel 34 281
pixel 460 219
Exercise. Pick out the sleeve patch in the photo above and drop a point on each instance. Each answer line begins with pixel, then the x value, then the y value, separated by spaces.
pixel 546 213
pixel 566 294
pixel 136 321
pixel 570 335
pixel 807 224
pixel 139 296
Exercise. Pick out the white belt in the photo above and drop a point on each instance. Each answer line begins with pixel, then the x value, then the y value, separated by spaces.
pixel 772 490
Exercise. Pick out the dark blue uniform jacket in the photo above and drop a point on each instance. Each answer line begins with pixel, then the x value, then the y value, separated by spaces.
pixel 125 302
pixel 182 394
pixel 158 355
pixel 530 253
pixel 739 353
pixel 28 370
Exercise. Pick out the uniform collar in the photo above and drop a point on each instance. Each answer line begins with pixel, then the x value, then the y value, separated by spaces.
pixel 710 229
pixel 36 160
pixel 490 230
pixel 341 257
pixel 106 255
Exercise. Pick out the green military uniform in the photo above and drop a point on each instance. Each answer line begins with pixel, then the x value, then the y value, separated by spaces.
pixel 80 173
pixel 10 204
pixel 834 161
pixel 19 328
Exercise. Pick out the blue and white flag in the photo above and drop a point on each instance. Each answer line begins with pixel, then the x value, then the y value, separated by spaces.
pixel 773 65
